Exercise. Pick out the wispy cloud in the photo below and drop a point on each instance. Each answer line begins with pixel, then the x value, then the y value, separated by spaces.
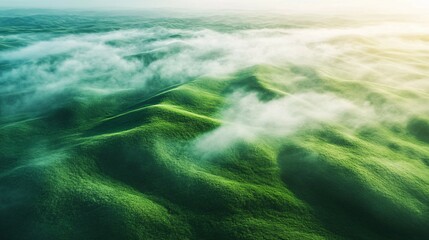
pixel 78 64
pixel 249 118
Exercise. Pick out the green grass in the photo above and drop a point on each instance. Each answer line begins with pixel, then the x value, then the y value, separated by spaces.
pixel 123 167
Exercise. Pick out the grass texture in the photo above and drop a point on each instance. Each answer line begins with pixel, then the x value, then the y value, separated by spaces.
pixel 127 165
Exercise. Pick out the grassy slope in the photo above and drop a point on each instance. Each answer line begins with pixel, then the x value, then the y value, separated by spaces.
pixel 115 170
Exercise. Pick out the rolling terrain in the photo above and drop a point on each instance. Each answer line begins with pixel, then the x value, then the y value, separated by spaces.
pixel 126 127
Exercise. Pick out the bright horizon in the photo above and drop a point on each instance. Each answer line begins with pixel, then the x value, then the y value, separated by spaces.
pixel 322 6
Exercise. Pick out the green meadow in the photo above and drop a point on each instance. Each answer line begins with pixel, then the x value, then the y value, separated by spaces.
pixel 147 126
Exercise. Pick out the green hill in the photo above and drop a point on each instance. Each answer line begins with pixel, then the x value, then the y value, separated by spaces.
pixel 127 166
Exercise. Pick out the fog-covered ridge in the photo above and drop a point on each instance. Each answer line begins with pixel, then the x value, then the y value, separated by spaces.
pixel 41 68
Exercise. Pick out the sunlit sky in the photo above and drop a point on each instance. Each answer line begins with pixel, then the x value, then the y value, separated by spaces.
pixel 383 6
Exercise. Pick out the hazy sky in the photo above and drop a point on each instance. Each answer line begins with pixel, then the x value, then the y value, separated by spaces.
pixel 298 5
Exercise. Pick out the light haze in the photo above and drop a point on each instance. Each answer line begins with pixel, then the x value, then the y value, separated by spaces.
pixel 365 6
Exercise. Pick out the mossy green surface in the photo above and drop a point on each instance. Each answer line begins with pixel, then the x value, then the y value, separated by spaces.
pixel 102 117
pixel 120 169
